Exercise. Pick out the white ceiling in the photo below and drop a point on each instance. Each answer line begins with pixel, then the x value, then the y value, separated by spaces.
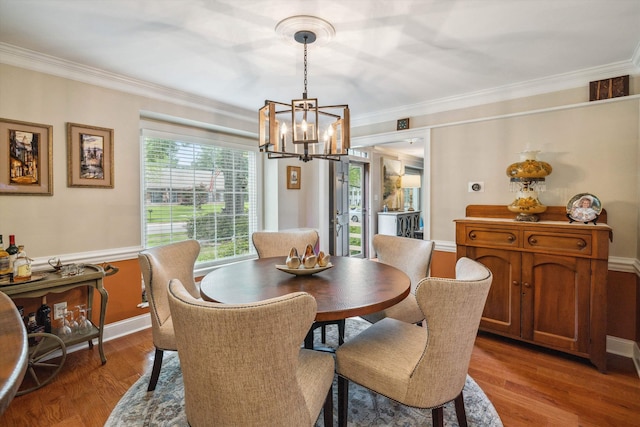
pixel 386 58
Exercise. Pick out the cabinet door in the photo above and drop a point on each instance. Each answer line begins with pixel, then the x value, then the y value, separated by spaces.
pixel 387 225
pixel 555 301
pixel 502 309
pixel 407 222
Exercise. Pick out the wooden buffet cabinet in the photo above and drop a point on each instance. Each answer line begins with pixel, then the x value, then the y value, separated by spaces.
pixel 549 277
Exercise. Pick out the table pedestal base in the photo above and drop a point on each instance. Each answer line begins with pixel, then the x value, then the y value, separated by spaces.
pixel 308 340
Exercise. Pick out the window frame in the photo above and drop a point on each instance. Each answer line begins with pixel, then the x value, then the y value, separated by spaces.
pixel 205 137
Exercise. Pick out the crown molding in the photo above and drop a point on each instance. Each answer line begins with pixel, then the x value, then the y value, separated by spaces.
pixel 36 61
pixel 635 58
pixel 43 63
pixel 508 92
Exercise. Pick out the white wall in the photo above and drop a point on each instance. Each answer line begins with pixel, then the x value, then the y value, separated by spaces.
pixel 592 146
pixel 77 220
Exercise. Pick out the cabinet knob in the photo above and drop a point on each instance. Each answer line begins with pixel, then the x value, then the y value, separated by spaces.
pixel 511 238
pixel 526 285
pixel 515 283
pixel 582 243
pixel 472 235
pixel 533 241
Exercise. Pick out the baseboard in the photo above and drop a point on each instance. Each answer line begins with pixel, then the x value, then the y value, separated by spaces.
pixel 625 348
pixel 118 329
pixel 620 346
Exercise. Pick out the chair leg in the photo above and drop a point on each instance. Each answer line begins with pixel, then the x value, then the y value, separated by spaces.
pixel 155 372
pixel 437 415
pixel 460 412
pixel 341 329
pixel 328 409
pixel 323 334
pixel 343 401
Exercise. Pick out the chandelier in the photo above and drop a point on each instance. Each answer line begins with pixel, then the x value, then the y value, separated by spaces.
pixel 302 128
pixel 527 179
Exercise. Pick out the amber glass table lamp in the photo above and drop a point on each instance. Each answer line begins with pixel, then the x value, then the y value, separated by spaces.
pixel 527 179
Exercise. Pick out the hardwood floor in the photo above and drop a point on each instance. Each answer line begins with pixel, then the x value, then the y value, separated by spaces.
pixel 529 386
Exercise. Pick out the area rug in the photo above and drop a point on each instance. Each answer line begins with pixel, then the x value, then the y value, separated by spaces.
pixel 165 405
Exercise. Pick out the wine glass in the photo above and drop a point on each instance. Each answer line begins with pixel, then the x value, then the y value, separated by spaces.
pixel 71 320
pixel 84 324
pixel 65 329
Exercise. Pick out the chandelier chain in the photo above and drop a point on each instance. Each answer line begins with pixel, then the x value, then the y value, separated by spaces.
pixel 305 65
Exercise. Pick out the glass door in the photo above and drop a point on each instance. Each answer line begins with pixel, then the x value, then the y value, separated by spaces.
pixel 357 211
pixel 348 213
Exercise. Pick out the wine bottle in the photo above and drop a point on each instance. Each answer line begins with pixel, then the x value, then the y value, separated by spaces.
pixel 32 327
pixel 5 266
pixel 43 315
pixel 12 250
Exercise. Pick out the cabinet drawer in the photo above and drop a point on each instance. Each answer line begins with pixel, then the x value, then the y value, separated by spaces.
pixel 564 243
pixel 480 236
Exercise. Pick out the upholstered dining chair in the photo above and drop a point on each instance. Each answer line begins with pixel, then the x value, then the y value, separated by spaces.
pixel 238 376
pixel 422 367
pixel 413 257
pixel 279 243
pixel 159 265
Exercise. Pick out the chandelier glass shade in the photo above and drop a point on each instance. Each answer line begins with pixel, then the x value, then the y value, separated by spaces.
pixel 302 128
pixel 527 178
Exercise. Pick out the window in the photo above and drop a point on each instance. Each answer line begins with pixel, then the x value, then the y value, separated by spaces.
pixel 199 188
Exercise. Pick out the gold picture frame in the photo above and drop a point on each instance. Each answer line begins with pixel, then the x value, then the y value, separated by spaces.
pixel 293 177
pixel 89 156
pixel 26 158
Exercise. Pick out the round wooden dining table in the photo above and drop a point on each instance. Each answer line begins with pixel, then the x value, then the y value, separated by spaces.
pixel 15 351
pixel 352 287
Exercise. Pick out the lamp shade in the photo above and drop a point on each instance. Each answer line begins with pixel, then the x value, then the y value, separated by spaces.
pixel 410 181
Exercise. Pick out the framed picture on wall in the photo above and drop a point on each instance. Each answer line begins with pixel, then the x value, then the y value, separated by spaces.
pixel 89 156
pixel 293 177
pixel 392 170
pixel 26 154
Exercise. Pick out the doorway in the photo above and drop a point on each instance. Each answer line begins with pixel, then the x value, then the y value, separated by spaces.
pixel 349 220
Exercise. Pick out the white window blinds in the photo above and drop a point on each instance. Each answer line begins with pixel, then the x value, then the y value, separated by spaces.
pixel 199 188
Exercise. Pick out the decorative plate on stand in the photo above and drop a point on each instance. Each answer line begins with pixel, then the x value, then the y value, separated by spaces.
pixel 584 207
